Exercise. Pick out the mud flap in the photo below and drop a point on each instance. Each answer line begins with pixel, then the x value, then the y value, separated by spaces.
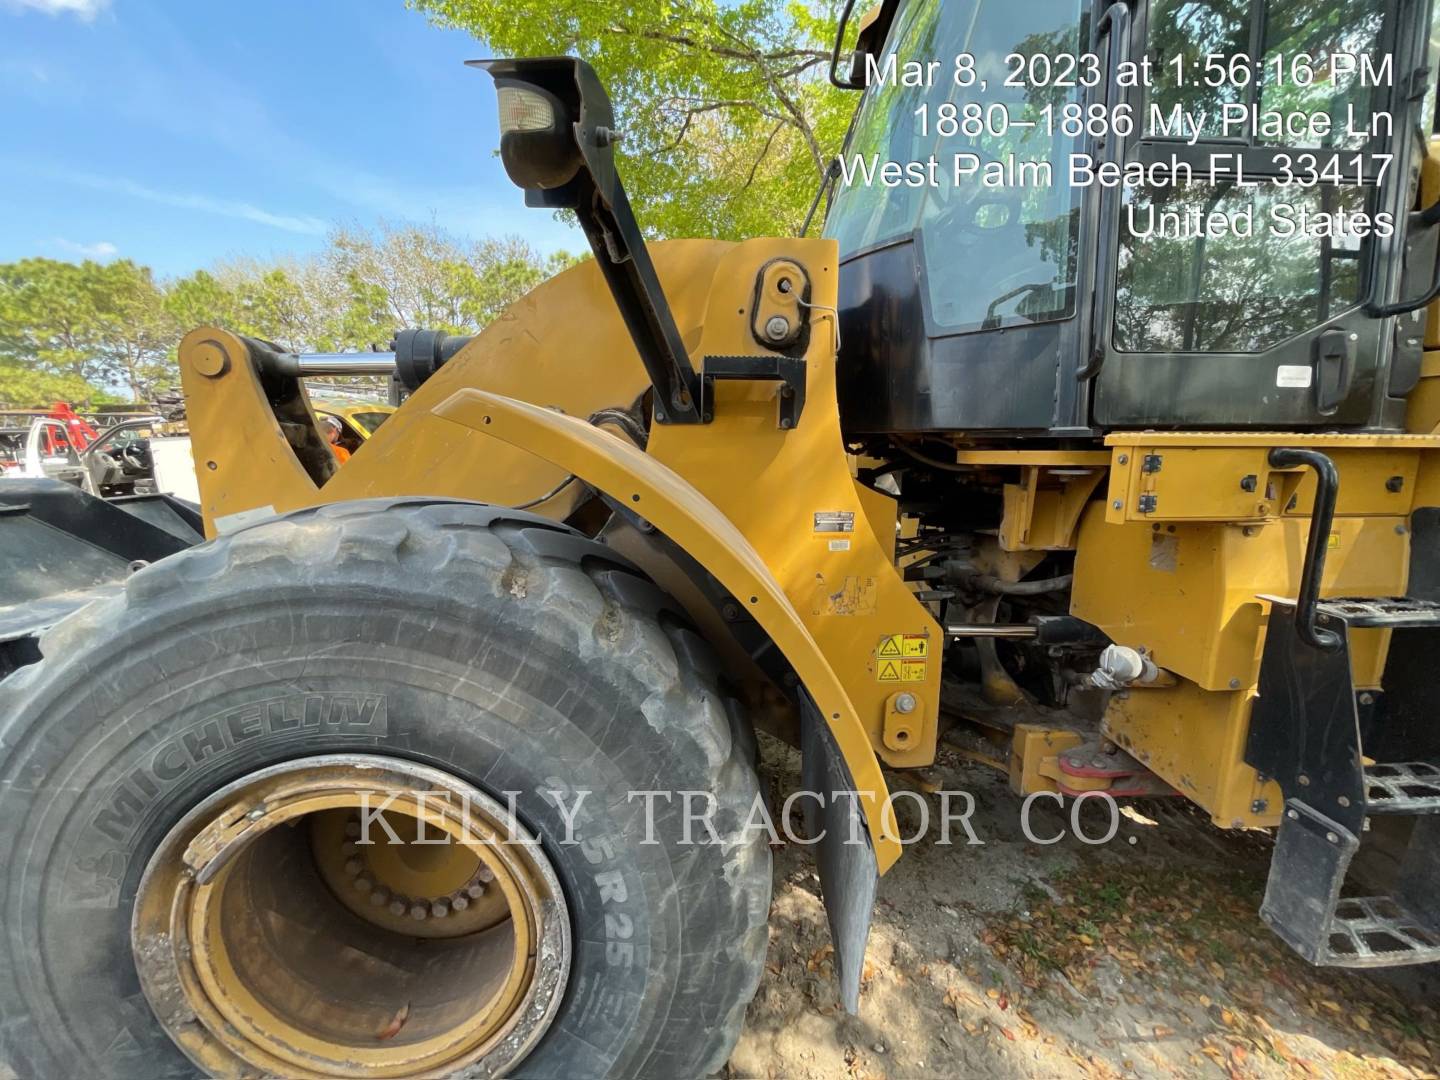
pixel 848 871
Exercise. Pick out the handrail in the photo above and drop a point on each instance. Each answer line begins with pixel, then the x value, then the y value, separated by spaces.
pixel 1322 517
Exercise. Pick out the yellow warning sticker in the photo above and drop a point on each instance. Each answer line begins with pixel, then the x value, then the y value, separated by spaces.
pixel 902 658
pixel 912 645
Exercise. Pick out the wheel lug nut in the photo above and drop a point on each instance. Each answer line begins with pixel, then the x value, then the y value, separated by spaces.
pixel 485 873
pixel 364 883
pixel 418 912
pixel 349 848
pixel 439 909
pixel 475 891
pixel 397 906
pixel 460 903
pixel 380 896
pixel 352 829
pixel 353 867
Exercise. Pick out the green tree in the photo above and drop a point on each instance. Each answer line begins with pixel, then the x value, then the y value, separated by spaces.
pixel 728 119
pixel 74 328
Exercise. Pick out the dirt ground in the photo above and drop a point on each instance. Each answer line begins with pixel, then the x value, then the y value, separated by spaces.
pixel 1143 957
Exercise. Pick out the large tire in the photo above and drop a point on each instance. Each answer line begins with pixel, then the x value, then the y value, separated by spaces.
pixel 503 648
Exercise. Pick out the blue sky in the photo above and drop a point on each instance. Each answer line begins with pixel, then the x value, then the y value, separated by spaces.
pixel 184 132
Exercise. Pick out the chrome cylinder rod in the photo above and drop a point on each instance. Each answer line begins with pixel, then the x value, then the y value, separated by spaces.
pixel 299 365
pixel 991 630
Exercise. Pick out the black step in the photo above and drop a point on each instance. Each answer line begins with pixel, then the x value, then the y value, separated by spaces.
pixel 1305 906
pixel 1367 612
pixel 1376 931
pixel 1404 788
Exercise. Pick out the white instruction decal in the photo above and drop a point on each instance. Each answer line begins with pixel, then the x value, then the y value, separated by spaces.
pixel 1294 376
pixel 834 521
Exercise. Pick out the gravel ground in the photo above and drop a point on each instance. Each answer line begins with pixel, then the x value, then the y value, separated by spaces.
pixel 1141 957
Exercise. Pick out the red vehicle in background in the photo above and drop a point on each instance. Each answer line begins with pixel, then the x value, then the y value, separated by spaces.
pixel 81 432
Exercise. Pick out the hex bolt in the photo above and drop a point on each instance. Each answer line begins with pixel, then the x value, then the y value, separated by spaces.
pixel 1332 838
pixel 460 903
pixel 364 883
pixel 784 285
pixel 485 873
pixel 419 912
pixel 1367 698
pixel 1303 780
pixel 1234 684
pixel 905 703
pixel 1117 505
pixel 439 909
pixel 397 906
pixel 778 328
pixel 475 891
pixel 353 867
pixel 1292 815
pixel 1343 800
pixel 1123 459
pixel 380 897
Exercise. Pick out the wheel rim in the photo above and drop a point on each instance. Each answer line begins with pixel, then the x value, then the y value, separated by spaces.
pixel 269 936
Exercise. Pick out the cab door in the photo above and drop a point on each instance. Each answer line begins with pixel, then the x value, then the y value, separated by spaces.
pixel 1277 138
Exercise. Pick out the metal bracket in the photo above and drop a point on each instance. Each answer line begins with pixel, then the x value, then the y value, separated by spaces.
pixel 786 370
pixel 1149 503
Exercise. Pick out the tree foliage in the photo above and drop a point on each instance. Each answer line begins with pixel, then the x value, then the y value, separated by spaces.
pixel 727 117
pixel 73 325
pixel 87 331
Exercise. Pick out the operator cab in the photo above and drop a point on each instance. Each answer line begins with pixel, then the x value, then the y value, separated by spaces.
pixel 990 284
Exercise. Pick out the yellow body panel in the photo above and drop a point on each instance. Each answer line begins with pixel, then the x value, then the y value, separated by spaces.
pixel 1190 593
pixel 1184 582
pixel 772 483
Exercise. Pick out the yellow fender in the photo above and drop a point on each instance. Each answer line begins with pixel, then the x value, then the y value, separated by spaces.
pixel 672 505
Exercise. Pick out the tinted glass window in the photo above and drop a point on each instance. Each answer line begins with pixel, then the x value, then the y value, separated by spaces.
pixel 1182 287
pixel 996 254
pixel 1314 63
pixel 1184 33
pixel 1230 293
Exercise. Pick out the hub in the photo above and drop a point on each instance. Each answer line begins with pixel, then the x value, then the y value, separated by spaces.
pixel 351 916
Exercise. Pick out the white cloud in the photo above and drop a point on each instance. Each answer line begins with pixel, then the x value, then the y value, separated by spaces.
pixel 205 204
pixel 82 9
pixel 101 250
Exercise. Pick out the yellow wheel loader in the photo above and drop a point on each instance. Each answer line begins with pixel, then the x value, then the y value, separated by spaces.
pixel 1107 450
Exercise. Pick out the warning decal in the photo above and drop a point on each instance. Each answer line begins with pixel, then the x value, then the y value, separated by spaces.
pixel 902 658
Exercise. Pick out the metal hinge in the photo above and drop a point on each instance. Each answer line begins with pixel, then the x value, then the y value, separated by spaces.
pixel 1149 502
pixel 1151 463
